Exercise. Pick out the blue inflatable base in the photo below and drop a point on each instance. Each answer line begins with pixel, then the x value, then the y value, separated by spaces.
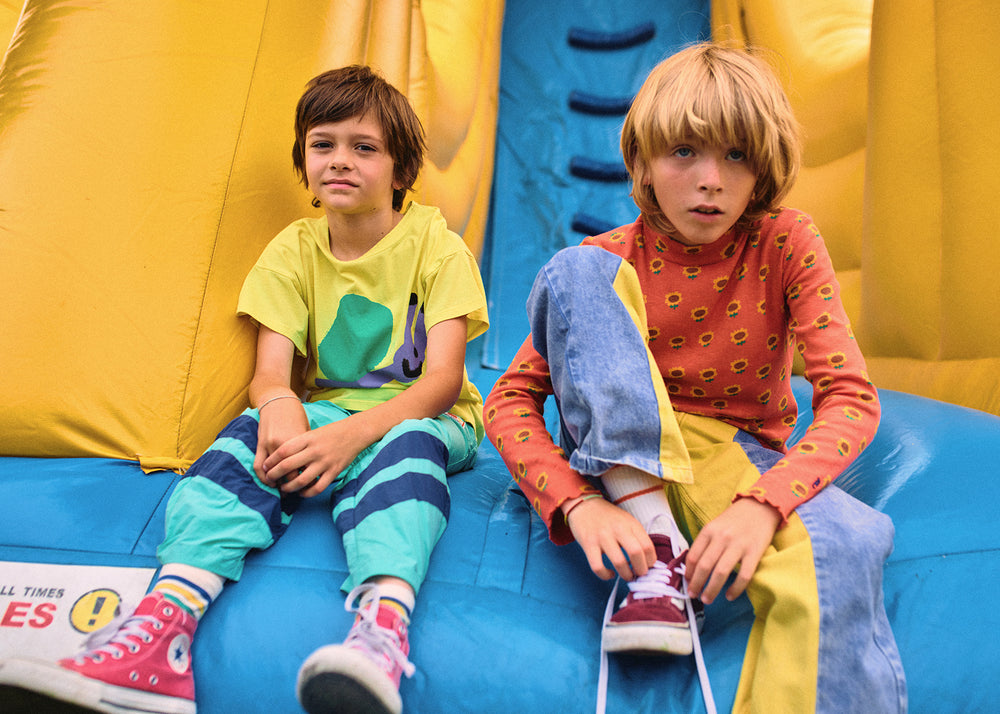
pixel 508 622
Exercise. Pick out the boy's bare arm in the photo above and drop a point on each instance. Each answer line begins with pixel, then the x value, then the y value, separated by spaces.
pixel 315 459
pixel 281 418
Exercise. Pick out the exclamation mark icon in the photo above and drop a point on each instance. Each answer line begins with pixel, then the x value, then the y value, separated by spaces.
pixel 94 610
pixel 98 604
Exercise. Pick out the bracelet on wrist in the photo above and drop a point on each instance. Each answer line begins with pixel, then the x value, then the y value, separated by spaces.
pixel 272 399
pixel 582 499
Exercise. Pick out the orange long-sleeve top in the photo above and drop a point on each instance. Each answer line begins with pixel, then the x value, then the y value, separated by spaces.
pixel 724 322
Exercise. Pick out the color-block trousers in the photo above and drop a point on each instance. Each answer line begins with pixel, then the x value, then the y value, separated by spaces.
pixel 821 639
pixel 391 505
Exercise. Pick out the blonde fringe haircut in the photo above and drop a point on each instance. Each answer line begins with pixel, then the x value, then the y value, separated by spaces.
pixel 721 96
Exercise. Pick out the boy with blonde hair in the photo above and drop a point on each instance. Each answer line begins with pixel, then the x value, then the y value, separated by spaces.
pixel 668 344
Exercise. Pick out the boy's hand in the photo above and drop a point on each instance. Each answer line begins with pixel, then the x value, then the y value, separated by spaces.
pixel 311 461
pixel 282 420
pixel 603 529
pixel 738 536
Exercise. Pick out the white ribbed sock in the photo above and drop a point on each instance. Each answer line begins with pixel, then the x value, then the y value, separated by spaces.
pixel 641 495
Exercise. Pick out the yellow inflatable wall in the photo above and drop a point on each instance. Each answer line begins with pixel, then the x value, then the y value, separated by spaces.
pixel 9 12
pixel 145 161
pixel 900 104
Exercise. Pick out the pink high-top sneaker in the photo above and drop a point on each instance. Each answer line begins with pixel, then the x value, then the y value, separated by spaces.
pixel 144 665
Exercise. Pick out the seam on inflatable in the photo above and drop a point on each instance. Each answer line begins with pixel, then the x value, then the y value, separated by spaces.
pixel 218 228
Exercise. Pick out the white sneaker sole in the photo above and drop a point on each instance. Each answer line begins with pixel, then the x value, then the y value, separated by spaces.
pixel 644 638
pixel 52 681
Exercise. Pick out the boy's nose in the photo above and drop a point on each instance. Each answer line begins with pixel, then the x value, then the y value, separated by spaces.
pixel 711 177
pixel 340 159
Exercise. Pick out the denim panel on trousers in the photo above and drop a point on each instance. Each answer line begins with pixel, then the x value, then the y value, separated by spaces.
pixel 601 370
pixel 860 669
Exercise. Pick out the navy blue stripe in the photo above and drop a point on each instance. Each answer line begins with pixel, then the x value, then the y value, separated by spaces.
pixel 410 485
pixel 409 445
pixel 243 428
pixel 406 487
pixel 188 584
pixel 225 470
pixel 222 468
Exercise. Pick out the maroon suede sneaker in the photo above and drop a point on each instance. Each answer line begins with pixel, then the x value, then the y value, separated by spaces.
pixel 653 618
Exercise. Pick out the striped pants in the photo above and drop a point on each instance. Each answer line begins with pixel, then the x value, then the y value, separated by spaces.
pixel 391 505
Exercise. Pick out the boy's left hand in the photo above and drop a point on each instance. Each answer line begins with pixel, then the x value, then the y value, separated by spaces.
pixel 737 537
pixel 312 461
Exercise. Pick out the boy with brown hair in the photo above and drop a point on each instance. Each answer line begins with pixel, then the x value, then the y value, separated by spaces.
pixel 381 298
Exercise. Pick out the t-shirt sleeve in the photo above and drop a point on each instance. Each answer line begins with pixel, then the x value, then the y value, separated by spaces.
pixel 515 423
pixel 455 289
pixel 272 294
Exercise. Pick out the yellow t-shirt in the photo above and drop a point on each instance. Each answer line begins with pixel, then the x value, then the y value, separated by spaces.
pixel 363 323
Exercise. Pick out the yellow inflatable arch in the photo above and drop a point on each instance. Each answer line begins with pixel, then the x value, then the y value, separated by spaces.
pixel 145 162
pixel 900 104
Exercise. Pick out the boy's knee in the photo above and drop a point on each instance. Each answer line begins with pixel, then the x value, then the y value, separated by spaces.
pixel 584 260
pixel 857 530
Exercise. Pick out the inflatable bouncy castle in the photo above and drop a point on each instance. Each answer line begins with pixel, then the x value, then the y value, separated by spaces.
pixel 145 163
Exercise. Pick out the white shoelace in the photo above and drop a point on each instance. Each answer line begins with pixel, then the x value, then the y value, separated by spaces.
pixel 116 635
pixel 656 583
pixel 382 644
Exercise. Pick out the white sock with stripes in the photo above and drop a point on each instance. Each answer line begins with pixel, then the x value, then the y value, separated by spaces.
pixel 192 588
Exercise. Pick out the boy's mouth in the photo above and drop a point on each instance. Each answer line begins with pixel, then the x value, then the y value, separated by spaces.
pixel 706 210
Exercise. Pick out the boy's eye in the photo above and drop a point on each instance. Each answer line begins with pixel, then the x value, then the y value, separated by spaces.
pixel 683 151
pixel 736 155
pixel 321 145
pixel 365 147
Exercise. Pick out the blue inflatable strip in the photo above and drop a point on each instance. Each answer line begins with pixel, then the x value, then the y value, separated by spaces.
pixel 611 171
pixel 603 40
pixel 589 225
pixel 594 104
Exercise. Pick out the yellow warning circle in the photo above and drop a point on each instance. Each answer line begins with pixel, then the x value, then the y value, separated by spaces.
pixel 94 610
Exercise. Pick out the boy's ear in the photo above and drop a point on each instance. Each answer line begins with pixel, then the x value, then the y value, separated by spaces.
pixel 640 176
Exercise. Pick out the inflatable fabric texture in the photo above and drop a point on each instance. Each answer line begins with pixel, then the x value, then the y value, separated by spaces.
pixel 10 10
pixel 898 101
pixel 820 50
pixel 145 150
pixel 509 622
pixel 561 59
pixel 930 255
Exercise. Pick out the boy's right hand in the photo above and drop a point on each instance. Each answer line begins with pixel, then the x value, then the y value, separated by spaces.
pixel 604 530
pixel 283 419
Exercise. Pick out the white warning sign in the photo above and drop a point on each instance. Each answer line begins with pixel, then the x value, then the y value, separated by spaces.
pixel 47 611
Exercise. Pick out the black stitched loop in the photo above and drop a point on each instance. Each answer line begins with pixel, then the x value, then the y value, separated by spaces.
pixel 617 40
pixel 610 171
pixel 594 104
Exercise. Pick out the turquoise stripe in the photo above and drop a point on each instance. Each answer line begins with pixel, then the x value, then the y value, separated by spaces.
pixel 376 549
pixel 208 513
